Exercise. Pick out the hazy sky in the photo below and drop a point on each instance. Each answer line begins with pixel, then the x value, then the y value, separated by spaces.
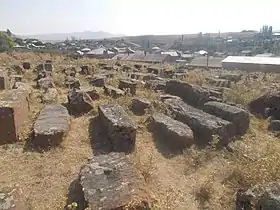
pixel 134 17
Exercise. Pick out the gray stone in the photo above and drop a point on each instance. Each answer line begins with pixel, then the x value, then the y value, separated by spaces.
pixel 70 71
pixel 239 117
pixel 193 95
pixel 114 92
pixel 179 134
pixel 274 125
pixel 45 83
pixel 204 125
pixel 168 96
pixel 14 108
pixel 72 82
pixel 155 85
pixel 98 81
pixel 111 182
pixel 125 84
pixel 231 77
pixel 80 101
pixel 259 197
pixel 26 65
pixel 140 105
pixel 219 82
pixel 85 70
pixel 4 81
pixel 120 127
pixel 51 126
pixel 267 100
pixel 50 96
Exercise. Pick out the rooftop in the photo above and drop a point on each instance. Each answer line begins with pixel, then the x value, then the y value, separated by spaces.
pixel 253 60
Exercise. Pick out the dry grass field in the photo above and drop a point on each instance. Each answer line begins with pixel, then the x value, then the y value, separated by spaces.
pixel 199 178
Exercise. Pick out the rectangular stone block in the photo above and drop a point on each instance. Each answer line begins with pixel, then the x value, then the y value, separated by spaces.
pixel 178 134
pixel 111 182
pixel 120 127
pixel 204 125
pixel 4 81
pixel 239 117
pixel 51 126
pixel 193 95
pixel 14 107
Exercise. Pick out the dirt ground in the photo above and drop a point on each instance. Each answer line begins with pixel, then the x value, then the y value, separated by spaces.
pixel 198 178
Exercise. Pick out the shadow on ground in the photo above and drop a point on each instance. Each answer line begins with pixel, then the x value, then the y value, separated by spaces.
pixel 75 197
pixel 98 137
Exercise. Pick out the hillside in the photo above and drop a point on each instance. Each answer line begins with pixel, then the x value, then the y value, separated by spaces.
pixel 77 35
pixel 202 174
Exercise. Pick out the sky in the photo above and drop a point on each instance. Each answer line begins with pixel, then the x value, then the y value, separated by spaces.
pixel 137 17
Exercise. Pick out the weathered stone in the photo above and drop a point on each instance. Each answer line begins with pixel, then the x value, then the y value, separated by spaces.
pixel 193 95
pixel 126 68
pixel 155 85
pixel 102 64
pixel 204 125
pixel 71 71
pixel 219 82
pixel 72 82
pixel 14 107
pixel 23 86
pixel 45 83
pixel 125 84
pixel 17 78
pixel 85 70
pixel 111 182
pixel 43 74
pixel 274 125
pixel 267 100
pixel 153 70
pixel 112 91
pixel 80 101
pixel 26 65
pixel 11 200
pixel 167 96
pixel 239 117
pixel 18 69
pixel 120 127
pixel 138 66
pixel 98 81
pixel 177 133
pixel 118 63
pixel 273 112
pixel 40 67
pixel 48 66
pixel 50 96
pixel 108 68
pixel 4 81
pixel 231 77
pixel 140 105
pixel 51 126
pixel 259 197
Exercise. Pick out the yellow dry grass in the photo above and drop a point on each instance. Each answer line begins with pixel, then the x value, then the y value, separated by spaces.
pixel 196 179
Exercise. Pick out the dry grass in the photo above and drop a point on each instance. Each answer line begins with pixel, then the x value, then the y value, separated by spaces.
pixel 196 179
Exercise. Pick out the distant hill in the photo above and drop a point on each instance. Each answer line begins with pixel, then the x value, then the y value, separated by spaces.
pixel 77 35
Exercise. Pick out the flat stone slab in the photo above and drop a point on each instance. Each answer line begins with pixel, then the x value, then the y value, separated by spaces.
pixel 110 182
pixel 140 105
pixel 193 95
pixel 120 127
pixel 204 125
pixel 51 126
pixel 239 117
pixel 80 101
pixel 98 81
pixel 219 82
pixel 112 91
pixel 125 84
pixel 176 132
pixel 4 81
pixel 14 108
pixel 156 84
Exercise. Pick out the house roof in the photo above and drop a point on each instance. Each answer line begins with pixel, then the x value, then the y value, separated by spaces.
pixel 141 57
pixel 252 60
pixel 213 62
pixel 171 53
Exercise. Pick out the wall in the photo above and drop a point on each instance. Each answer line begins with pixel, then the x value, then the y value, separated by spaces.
pixel 250 67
